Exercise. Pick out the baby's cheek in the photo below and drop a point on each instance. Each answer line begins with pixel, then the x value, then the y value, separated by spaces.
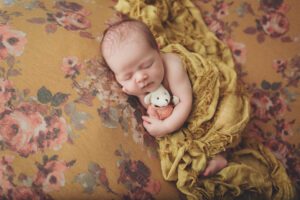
pixel 128 89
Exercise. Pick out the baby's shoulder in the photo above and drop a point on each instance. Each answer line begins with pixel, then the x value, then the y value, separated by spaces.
pixel 171 58
pixel 173 64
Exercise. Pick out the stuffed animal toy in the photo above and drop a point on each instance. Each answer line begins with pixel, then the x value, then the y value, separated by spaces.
pixel 159 103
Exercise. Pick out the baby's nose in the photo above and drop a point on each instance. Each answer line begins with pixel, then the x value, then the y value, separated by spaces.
pixel 141 77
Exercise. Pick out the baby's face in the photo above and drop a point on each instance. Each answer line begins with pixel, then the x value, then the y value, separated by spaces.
pixel 137 67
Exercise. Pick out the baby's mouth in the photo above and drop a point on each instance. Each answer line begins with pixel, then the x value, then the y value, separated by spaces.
pixel 146 85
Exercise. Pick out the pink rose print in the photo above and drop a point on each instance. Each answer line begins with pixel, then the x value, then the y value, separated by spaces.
pixel 279 149
pixel 72 21
pixel 6 93
pixel 71 66
pixel 280 65
pixel 284 129
pixel 19 130
pixel 279 106
pixel 71 16
pixel 26 129
pixel 274 24
pixel 255 135
pixel 238 50
pixel 12 42
pixel 56 133
pixel 153 187
pixel 265 106
pixel 51 175
pixel 215 26
pixel 23 193
pixel 221 9
pixel 71 7
pixel 261 105
pixel 6 173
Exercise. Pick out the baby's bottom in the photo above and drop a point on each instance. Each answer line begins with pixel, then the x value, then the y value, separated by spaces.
pixel 215 165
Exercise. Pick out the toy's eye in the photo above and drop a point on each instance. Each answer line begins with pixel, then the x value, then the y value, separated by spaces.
pixel 157 98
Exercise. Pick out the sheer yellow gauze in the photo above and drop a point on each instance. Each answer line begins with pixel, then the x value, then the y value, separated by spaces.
pixel 220 112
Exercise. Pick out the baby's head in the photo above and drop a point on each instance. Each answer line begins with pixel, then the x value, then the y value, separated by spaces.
pixel 131 52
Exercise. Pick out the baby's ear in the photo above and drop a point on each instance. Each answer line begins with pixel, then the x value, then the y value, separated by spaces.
pixel 147 99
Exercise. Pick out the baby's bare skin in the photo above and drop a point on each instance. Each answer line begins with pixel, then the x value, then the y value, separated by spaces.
pixel 215 165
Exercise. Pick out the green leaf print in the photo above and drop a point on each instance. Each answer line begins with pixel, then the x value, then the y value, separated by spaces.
pixel 44 95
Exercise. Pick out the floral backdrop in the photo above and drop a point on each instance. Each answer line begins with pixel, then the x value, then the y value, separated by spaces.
pixel 68 132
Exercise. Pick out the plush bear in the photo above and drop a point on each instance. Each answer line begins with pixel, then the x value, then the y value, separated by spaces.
pixel 159 102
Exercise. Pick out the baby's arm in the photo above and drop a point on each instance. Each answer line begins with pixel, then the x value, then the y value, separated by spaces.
pixel 180 86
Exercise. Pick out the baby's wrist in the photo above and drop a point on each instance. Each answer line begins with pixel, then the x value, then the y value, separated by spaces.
pixel 166 127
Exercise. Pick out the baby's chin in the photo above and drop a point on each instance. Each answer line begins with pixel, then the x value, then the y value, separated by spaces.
pixel 145 90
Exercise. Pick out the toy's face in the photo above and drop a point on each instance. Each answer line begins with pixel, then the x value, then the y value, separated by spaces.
pixel 160 97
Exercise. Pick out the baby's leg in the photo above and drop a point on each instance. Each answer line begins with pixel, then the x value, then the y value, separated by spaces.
pixel 215 165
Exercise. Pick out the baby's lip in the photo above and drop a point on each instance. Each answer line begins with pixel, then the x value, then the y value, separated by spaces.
pixel 146 85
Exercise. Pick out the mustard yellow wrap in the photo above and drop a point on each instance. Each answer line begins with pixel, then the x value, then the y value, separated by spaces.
pixel 220 112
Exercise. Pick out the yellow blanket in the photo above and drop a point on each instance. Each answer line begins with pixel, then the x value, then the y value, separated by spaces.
pixel 220 112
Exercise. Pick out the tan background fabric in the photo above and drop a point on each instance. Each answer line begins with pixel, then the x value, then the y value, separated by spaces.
pixel 36 61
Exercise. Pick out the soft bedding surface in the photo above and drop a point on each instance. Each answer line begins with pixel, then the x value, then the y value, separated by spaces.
pixel 68 132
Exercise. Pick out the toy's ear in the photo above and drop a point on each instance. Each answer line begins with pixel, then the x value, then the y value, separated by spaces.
pixel 147 99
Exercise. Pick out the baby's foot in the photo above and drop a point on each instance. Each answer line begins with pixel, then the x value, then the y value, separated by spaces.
pixel 215 165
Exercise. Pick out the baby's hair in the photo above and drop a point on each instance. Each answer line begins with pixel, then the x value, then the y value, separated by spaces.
pixel 120 30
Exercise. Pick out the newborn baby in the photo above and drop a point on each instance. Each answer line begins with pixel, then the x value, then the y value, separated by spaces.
pixel 131 52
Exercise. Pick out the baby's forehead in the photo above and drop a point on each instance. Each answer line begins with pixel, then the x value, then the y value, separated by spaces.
pixel 119 35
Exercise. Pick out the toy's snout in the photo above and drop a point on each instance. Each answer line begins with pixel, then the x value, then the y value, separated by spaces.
pixel 158 98
pixel 161 99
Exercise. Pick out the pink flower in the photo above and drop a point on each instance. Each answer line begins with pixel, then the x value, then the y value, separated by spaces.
pixel 238 50
pixel 3 50
pixel 297 168
pixel 6 90
pixel 32 108
pixel 11 42
pixel 72 21
pixel 52 176
pixel 54 181
pixel 261 104
pixel 279 106
pixel 71 66
pixel 18 131
pixel 284 129
pixel 279 149
pixel 24 193
pixel 153 187
pixel 277 146
pixel 6 174
pixel 284 8
pixel 279 65
pixel 215 26
pixel 253 134
pixel 221 10
pixel 56 133
pixel 274 24
pixel 71 7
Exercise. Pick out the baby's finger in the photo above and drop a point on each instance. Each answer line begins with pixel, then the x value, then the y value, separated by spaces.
pixel 147 119
pixel 146 125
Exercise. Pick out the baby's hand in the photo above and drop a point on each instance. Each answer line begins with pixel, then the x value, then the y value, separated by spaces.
pixel 216 164
pixel 155 127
